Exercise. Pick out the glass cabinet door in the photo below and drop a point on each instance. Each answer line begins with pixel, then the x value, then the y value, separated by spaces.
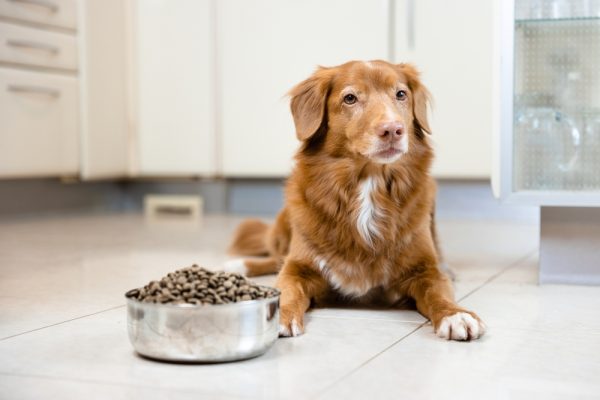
pixel 556 96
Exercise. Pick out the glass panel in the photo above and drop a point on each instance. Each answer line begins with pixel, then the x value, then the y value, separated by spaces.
pixel 557 95
pixel 556 9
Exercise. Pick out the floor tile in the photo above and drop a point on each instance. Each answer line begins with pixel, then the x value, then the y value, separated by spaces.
pixel 34 388
pixel 513 300
pixel 541 343
pixel 96 349
pixel 70 273
pixel 478 250
pixel 369 314
pixel 79 266
pixel 509 363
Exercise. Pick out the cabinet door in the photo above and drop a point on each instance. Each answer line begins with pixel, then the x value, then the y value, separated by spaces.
pixel 105 88
pixel 174 96
pixel 452 44
pixel 264 47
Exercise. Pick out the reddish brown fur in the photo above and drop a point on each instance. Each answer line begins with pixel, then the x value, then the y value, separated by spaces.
pixel 319 221
pixel 250 239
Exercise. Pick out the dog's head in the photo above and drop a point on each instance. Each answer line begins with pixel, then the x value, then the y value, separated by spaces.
pixel 371 110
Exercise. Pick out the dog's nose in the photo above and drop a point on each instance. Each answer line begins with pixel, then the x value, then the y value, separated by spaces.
pixel 390 128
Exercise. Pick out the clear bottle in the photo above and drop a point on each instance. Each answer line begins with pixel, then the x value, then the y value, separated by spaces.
pixel 547 149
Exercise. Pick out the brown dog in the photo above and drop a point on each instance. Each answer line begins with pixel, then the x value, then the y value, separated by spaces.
pixel 358 220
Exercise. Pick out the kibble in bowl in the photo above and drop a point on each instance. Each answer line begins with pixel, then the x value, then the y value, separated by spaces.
pixel 196 315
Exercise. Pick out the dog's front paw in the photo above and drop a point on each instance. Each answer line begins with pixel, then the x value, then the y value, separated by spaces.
pixel 461 326
pixel 290 324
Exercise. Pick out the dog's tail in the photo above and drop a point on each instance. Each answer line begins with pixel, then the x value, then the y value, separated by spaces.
pixel 250 239
pixel 255 238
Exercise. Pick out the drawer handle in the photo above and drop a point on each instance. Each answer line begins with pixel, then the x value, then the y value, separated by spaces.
pixel 26 44
pixel 53 7
pixel 33 90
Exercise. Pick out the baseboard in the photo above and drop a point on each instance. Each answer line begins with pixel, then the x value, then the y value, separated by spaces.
pixel 260 197
pixel 39 196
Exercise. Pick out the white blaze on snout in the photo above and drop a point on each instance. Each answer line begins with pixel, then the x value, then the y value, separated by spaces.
pixel 390 113
pixel 392 116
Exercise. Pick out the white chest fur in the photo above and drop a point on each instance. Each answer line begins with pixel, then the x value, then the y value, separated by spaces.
pixel 342 281
pixel 368 214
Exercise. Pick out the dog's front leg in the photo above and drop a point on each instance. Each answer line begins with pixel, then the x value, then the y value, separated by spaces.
pixel 299 282
pixel 434 297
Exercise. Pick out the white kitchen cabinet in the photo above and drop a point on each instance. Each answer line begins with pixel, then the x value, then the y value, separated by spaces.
pixel 174 92
pixel 185 88
pixel 105 59
pixel 452 43
pixel 39 89
pixel 264 47
pixel 39 132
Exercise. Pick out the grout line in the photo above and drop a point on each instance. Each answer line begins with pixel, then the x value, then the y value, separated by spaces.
pixel 62 322
pixel 497 274
pixel 326 388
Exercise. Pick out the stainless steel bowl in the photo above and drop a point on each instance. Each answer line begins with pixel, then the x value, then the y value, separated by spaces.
pixel 209 333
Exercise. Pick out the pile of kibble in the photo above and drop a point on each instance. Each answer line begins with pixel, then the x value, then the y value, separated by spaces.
pixel 196 285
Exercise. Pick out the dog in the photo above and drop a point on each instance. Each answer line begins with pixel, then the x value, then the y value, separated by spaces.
pixel 358 223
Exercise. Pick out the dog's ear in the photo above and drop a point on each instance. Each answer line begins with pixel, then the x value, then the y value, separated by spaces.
pixel 421 96
pixel 309 103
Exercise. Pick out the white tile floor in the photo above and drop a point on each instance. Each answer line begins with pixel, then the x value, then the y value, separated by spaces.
pixel 63 329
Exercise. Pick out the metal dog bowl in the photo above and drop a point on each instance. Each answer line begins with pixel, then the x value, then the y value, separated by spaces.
pixel 203 333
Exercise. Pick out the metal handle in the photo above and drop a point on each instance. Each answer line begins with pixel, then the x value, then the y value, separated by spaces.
pixel 33 90
pixel 53 7
pixel 410 24
pixel 26 44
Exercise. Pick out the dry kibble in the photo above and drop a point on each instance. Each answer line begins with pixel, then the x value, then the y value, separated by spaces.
pixel 198 286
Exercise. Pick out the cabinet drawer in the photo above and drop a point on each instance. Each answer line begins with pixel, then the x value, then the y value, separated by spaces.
pixel 37 47
pixel 61 13
pixel 39 129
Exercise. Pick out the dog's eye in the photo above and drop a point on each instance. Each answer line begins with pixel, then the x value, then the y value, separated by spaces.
pixel 401 94
pixel 350 99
